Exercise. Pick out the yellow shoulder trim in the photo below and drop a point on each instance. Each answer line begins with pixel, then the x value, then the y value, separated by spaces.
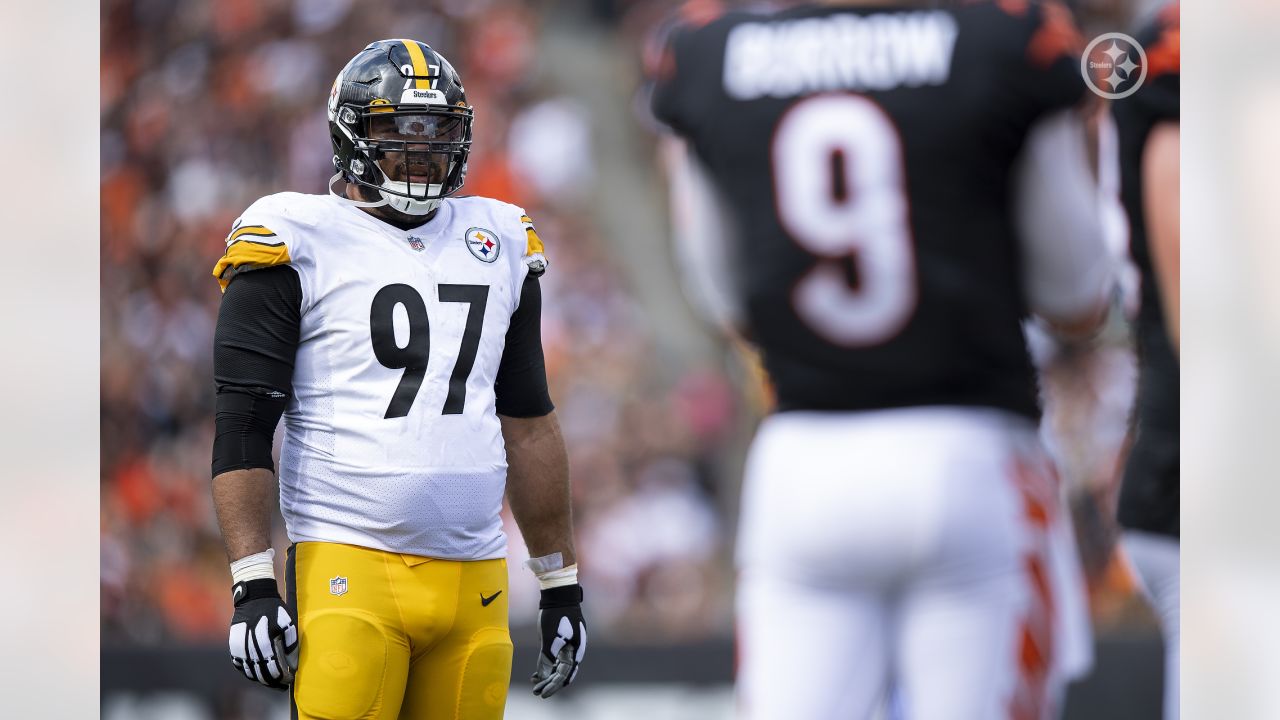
pixel 535 242
pixel 246 254
pixel 251 230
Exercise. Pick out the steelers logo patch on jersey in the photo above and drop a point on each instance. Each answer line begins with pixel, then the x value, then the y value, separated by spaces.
pixel 483 244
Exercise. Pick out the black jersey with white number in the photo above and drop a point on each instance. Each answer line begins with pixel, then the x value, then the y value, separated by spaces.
pixel 866 156
pixel 1149 497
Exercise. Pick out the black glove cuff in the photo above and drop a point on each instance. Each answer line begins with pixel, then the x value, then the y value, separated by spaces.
pixel 558 597
pixel 256 589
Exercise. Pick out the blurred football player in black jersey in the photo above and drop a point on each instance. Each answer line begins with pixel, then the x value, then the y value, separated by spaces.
pixel 1147 125
pixel 877 196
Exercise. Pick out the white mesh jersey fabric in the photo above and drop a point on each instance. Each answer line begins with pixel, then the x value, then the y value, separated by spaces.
pixel 352 470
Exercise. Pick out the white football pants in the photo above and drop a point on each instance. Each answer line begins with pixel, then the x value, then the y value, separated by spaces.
pixel 1155 558
pixel 922 550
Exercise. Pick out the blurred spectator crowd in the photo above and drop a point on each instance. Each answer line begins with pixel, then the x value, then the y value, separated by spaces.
pixel 208 106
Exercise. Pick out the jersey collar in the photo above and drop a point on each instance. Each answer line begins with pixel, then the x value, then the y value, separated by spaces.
pixel 427 231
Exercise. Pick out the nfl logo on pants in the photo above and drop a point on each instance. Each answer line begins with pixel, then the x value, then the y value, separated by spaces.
pixel 338 586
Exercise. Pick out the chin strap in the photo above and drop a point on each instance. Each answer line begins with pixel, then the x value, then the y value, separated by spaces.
pixel 400 205
pixel 407 207
pixel 355 203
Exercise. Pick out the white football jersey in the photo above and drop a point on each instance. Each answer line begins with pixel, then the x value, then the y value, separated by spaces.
pixel 391 438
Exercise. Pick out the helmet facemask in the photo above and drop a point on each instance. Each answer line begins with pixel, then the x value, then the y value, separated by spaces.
pixel 412 155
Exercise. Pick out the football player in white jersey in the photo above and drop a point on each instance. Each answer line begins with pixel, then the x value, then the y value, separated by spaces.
pixel 396 327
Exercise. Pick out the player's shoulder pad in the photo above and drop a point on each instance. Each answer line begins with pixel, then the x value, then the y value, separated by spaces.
pixel 506 215
pixel 269 232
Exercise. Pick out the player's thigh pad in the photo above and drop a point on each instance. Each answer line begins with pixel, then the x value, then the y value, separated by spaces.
pixel 354 655
pixel 463 681
pixel 466 673
pixel 467 683
pixel 344 656
pixel 486 675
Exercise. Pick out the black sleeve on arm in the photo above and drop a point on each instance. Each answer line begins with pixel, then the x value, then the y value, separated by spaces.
pixel 521 385
pixel 254 347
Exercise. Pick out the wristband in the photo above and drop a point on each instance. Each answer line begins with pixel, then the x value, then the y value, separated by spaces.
pixel 253 567
pixel 560 597
pixel 558 578
pixel 546 563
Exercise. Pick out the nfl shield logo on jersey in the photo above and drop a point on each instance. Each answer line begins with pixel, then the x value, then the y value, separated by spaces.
pixel 483 244
pixel 416 243
pixel 338 586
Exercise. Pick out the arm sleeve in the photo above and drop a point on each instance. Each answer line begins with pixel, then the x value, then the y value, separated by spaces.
pixel 1067 270
pixel 521 385
pixel 255 344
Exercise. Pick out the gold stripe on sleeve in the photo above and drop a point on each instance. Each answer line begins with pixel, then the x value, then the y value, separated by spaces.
pixel 535 242
pixel 254 230
pixel 248 255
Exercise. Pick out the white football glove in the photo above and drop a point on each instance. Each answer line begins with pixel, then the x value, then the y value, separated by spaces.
pixel 264 638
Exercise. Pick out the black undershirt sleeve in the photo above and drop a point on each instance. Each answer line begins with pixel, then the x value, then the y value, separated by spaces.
pixel 521 385
pixel 254 346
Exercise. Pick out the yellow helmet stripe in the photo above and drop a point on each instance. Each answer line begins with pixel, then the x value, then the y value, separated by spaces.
pixel 419 64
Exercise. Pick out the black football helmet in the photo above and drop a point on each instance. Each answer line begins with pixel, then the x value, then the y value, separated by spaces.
pixel 400 124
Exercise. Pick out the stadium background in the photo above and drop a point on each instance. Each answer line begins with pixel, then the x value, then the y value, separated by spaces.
pixel 207 106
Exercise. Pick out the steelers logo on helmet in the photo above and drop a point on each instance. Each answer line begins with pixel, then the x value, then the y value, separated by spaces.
pixel 400 125
pixel 483 244
pixel 333 94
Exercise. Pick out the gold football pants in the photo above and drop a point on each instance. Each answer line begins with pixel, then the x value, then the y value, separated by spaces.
pixel 388 636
